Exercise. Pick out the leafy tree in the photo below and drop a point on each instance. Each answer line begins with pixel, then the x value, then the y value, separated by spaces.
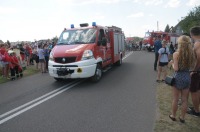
pixel 55 39
pixel 137 39
pixel 167 29
pixel 192 19
pixel 8 42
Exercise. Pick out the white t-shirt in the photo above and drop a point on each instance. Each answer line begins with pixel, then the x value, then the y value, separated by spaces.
pixel 164 54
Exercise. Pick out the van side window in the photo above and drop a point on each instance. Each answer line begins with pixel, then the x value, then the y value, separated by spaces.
pixel 107 36
pixel 101 34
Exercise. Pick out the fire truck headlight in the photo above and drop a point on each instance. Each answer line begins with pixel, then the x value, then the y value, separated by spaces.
pixel 51 56
pixel 88 54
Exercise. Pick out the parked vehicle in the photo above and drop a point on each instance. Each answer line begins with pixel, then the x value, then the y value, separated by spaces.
pixel 150 37
pixel 85 51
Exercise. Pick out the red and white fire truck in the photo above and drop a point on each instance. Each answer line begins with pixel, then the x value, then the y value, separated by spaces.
pixel 86 51
pixel 149 38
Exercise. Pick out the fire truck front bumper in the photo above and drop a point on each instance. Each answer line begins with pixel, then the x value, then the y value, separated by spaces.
pixel 81 69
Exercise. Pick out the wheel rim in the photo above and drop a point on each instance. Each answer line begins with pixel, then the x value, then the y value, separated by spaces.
pixel 98 73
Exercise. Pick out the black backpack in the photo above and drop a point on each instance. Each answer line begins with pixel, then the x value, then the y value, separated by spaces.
pixel 165 52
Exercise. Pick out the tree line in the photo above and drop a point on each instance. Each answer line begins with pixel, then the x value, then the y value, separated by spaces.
pixel 192 19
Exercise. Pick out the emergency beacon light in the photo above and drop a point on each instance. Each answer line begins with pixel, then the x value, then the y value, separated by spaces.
pixel 94 24
pixel 72 25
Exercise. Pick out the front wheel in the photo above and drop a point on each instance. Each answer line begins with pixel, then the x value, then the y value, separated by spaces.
pixel 98 74
pixel 149 49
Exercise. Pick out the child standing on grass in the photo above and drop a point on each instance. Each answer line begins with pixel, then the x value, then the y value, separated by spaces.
pixel 163 59
pixel 181 63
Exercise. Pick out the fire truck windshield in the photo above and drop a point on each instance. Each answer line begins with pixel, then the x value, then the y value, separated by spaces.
pixel 79 36
pixel 147 34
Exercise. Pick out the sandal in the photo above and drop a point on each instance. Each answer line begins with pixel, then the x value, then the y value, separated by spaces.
pixel 158 81
pixel 172 118
pixel 181 120
pixel 163 80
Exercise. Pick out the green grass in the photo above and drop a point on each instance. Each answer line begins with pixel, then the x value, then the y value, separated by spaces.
pixel 30 70
pixel 163 123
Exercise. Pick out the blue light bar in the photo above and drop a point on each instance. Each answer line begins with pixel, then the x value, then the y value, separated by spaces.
pixel 72 25
pixel 94 24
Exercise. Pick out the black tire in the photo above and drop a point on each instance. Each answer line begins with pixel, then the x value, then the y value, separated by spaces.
pixel 58 79
pixel 149 49
pixel 119 62
pixel 98 74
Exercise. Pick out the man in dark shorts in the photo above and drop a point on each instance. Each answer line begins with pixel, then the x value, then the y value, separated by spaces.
pixel 195 76
pixel 157 46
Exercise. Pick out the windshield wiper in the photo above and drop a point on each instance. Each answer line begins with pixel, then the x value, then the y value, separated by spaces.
pixel 62 43
pixel 77 42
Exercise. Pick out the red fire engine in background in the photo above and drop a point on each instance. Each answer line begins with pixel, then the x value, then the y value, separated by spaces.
pixel 150 38
pixel 86 51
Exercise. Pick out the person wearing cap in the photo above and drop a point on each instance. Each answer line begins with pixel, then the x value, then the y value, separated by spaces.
pixel 18 68
pixel 15 68
pixel 163 60
pixel 5 61
pixel 12 64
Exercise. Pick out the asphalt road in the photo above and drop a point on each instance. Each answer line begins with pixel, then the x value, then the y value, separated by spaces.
pixel 123 101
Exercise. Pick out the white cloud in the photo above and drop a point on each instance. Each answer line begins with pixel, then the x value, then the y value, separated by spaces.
pixel 193 3
pixel 154 2
pixel 8 10
pixel 151 15
pixel 173 3
pixel 149 2
pixel 100 1
pixel 139 14
pixel 87 2
pixel 148 28
pixel 96 17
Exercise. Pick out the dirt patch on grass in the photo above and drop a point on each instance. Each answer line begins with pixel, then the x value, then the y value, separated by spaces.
pixel 163 123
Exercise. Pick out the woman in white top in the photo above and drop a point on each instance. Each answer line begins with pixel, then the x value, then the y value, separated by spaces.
pixel 163 60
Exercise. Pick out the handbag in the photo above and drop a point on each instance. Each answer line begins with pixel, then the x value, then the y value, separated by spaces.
pixel 170 80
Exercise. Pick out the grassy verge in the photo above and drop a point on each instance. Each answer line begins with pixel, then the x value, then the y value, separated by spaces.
pixel 163 123
pixel 30 70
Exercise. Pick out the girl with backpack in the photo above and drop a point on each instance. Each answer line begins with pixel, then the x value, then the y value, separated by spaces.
pixel 163 60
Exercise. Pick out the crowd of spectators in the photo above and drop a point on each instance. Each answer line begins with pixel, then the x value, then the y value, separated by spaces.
pixel 14 59
pixel 185 62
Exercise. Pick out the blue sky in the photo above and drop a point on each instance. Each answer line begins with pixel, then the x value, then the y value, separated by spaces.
pixel 26 20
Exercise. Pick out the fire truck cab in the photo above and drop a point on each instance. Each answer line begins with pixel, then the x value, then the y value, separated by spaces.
pixel 85 51
pixel 151 36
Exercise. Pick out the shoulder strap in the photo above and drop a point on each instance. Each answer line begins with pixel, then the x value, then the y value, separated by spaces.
pixel 165 52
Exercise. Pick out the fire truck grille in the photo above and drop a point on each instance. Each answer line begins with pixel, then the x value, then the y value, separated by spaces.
pixel 65 60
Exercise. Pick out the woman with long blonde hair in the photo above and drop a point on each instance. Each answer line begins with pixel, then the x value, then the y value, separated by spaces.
pixel 182 62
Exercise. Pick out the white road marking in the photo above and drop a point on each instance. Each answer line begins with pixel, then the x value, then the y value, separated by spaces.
pixel 55 93
pixel 25 107
pixel 127 55
pixel 33 101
